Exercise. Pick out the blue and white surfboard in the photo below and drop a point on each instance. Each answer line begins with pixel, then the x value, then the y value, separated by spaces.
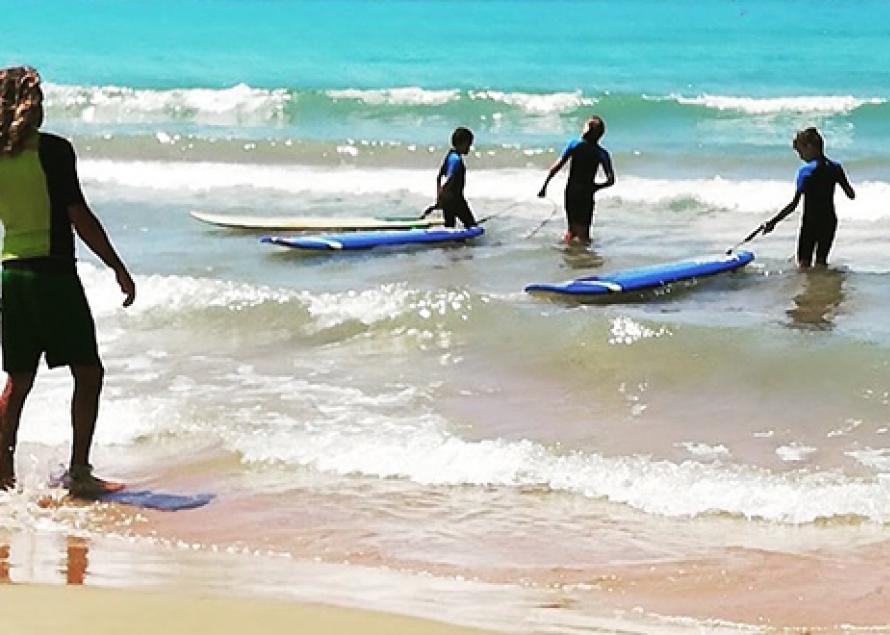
pixel 366 240
pixel 644 278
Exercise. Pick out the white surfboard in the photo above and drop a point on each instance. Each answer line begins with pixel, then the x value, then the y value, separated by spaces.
pixel 313 223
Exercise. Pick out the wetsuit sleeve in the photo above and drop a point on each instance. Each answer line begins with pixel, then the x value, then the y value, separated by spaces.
pixel 606 162
pixel 803 174
pixel 838 170
pixel 452 162
pixel 569 148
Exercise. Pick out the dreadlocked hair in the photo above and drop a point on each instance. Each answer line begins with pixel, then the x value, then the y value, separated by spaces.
pixel 20 107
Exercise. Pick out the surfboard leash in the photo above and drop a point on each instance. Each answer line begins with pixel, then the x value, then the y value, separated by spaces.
pixel 540 226
pixel 748 238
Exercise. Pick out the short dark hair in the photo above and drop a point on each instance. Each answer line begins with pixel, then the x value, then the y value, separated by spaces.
pixel 808 136
pixel 461 135
pixel 596 128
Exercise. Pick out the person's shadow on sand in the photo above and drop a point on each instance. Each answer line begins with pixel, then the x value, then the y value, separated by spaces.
pixel 819 301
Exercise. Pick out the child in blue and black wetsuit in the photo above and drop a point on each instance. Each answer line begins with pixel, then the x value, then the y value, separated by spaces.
pixel 586 155
pixel 451 179
pixel 816 181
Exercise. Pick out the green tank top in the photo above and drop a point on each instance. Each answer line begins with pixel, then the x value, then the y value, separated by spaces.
pixel 36 187
pixel 24 205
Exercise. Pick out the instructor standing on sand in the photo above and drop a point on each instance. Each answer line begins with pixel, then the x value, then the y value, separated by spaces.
pixel 45 310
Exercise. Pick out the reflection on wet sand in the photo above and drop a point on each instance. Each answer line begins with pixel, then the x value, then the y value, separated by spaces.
pixel 579 256
pixel 74 567
pixel 4 563
pixel 77 560
pixel 817 304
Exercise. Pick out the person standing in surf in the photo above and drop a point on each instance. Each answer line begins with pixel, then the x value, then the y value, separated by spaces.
pixel 816 181
pixel 45 310
pixel 451 179
pixel 586 156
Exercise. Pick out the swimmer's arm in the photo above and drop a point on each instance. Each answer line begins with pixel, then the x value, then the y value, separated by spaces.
pixel 845 184
pixel 556 167
pixel 438 190
pixel 441 181
pixel 610 178
pixel 94 235
pixel 769 225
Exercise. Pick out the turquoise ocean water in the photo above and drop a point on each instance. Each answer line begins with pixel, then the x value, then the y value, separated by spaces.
pixel 413 409
pixel 675 77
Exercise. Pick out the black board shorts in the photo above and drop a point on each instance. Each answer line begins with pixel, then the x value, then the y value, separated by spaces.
pixel 46 313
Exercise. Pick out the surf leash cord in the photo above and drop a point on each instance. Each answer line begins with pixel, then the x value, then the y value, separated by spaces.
pixel 747 238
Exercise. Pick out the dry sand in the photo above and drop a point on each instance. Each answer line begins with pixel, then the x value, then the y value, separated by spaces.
pixel 74 610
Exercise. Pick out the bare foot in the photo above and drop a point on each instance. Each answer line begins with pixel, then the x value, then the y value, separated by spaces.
pixel 7 482
pixel 80 482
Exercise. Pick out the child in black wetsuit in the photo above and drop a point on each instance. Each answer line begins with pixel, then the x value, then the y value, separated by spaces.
pixel 451 179
pixel 587 155
pixel 816 181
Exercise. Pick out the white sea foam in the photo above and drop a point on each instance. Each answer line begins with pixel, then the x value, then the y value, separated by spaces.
pixel 418 448
pixel 705 451
pixel 172 294
pixel 343 430
pixel 406 96
pixel 396 433
pixel 747 196
pixel 238 104
pixel 166 295
pixel 876 458
pixel 794 452
pixel 625 330
pixel 777 105
pixel 531 103
pixel 536 104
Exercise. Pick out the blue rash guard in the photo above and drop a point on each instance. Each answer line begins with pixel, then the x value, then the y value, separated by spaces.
pixel 817 181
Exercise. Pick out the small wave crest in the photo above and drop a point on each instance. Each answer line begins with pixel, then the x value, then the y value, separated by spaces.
pixel 163 297
pixel 419 448
pixel 238 104
pixel 407 96
pixel 841 104
pixel 751 196
pixel 529 103
pixel 537 104
pixel 246 105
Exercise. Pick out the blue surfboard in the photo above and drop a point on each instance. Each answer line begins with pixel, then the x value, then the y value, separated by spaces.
pixel 366 240
pixel 124 495
pixel 644 278
pixel 148 499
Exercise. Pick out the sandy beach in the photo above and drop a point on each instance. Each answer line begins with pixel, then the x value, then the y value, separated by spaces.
pixel 94 611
